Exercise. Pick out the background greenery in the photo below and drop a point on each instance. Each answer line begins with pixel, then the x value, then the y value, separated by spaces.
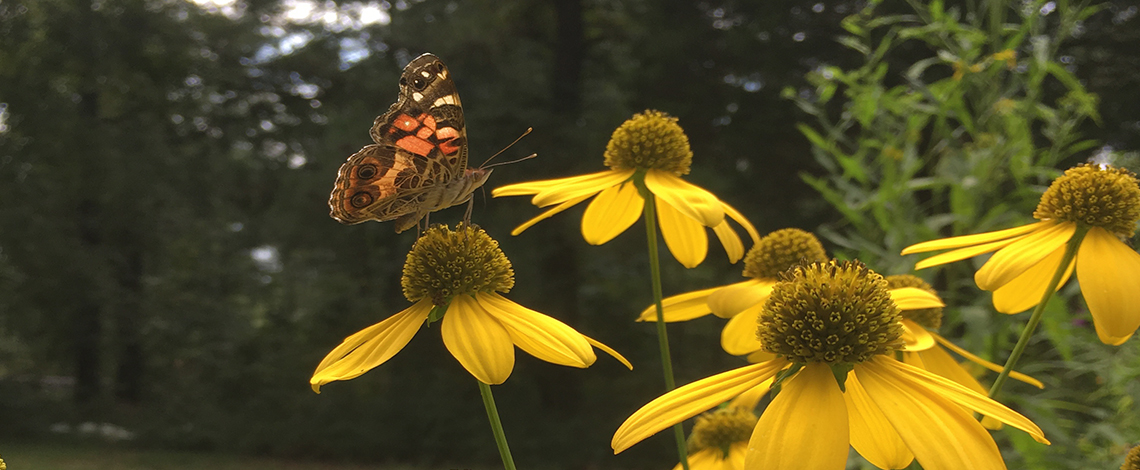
pixel 167 264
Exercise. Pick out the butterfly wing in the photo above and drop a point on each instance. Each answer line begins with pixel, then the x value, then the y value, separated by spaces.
pixel 421 146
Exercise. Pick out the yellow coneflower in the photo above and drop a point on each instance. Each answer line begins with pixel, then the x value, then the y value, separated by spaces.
pixel 834 329
pixel 1092 207
pixel 1131 462
pixel 719 440
pixel 647 156
pixel 456 277
pixel 742 302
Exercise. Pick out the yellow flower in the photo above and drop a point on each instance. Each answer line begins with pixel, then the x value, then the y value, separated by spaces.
pixel 646 155
pixel 458 275
pixel 742 302
pixel 1100 203
pixel 1132 462
pixel 925 347
pixel 719 440
pixel 835 330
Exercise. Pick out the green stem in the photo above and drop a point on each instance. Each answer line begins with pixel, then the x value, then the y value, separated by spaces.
pixel 496 426
pixel 1038 312
pixel 662 337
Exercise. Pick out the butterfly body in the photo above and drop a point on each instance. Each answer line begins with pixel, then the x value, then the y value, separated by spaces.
pixel 418 163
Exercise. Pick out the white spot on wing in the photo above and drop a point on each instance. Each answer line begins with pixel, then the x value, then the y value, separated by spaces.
pixel 425 74
pixel 417 96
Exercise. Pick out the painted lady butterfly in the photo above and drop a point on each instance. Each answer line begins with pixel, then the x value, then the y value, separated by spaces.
pixel 419 161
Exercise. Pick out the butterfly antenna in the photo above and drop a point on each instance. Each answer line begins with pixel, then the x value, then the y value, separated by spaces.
pixel 524 134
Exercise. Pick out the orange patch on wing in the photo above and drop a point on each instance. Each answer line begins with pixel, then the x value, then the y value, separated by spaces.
pixel 446 133
pixel 406 123
pixel 424 133
pixel 448 147
pixel 429 122
pixel 415 145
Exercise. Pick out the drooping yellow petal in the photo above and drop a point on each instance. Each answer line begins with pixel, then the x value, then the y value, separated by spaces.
pixel 751 397
pixel 964 253
pixel 975 239
pixel 739 336
pixel 737 453
pixel 913 359
pixel 984 363
pixel 1109 273
pixel 937 361
pixel 941 434
pixel 480 343
pixel 704 459
pixel 736 298
pixel 691 200
pixel 915 337
pixel 923 380
pixel 743 221
pixel 1011 261
pixel 1025 290
pixel 685 237
pixel 733 247
pixel 871 434
pixel 611 213
pixel 547 214
pixel 371 346
pixel 690 400
pixel 608 350
pixel 913 298
pixel 534 187
pixel 576 187
pixel 805 427
pixel 541 336
pixel 682 307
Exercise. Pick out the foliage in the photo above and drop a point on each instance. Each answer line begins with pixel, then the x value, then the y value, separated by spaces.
pixel 957 118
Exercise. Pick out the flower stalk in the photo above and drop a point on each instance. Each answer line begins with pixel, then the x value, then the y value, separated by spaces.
pixel 496 426
pixel 1039 311
pixel 662 335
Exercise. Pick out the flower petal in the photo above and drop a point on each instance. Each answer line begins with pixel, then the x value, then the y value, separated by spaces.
pixel 871 434
pixel 901 373
pixel 915 337
pixel 733 247
pixel 576 187
pixel 1025 290
pixel 941 435
pixel 704 459
pixel 371 346
pixel 743 221
pixel 963 253
pixel 739 336
pixel 533 187
pixel 611 213
pixel 541 336
pixel 751 397
pixel 736 298
pixel 690 400
pixel 682 307
pixel 805 426
pixel 1014 259
pixel 737 453
pixel 690 199
pixel 549 213
pixel 984 363
pixel 760 356
pixel 685 237
pixel 608 350
pixel 913 298
pixel 478 341
pixel 975 239
pixel 1109 273
pixel 938 361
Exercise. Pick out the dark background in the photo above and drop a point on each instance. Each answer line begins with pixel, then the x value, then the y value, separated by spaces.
pixel 167 263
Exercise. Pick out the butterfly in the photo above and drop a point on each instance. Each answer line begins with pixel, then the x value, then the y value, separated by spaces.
pixel 418 164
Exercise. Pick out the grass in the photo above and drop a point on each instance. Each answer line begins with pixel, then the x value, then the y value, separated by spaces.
pixel 55 456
